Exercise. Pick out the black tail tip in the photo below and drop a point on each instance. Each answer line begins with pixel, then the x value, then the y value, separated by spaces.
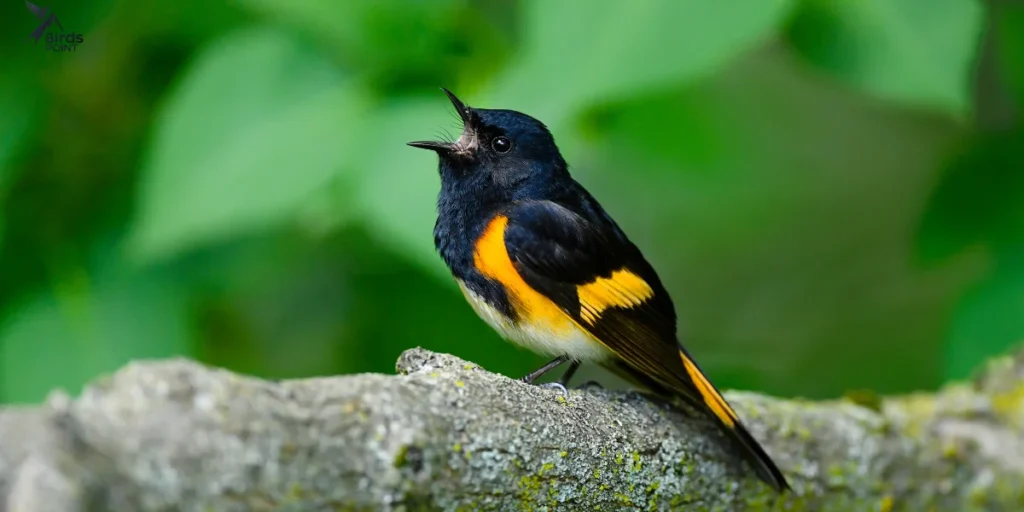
pixel 773 477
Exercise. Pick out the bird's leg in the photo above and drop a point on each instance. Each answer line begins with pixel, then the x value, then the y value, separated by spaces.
pixel 560 385
pixel 564 381
pixel 536 374
pixel 573 366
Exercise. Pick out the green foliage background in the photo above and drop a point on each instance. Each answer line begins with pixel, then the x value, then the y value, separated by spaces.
pixel 833 190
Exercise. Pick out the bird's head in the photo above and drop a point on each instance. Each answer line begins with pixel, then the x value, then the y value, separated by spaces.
pixel 505 149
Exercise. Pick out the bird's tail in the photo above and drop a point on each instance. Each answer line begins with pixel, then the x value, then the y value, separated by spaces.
pixel 763 465
pixel 695 388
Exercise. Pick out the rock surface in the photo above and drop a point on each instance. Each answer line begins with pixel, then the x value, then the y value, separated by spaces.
pixel 447 435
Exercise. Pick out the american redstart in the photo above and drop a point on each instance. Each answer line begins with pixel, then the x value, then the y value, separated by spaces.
pixel 544 264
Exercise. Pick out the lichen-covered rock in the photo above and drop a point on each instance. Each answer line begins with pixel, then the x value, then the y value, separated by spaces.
pixel 447 435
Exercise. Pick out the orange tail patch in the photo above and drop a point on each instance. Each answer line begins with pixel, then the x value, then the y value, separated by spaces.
pixel 712 398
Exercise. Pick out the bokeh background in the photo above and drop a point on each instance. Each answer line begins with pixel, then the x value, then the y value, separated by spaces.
pixel 833 190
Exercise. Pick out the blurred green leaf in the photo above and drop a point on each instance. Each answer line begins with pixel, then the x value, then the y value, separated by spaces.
pixel 65 338
pixel 177 20
pixel 576 53
pixel 338 22
pixel 918 52
pixel 978 200
pixel 330 208
pixel 258 123
pixel 20 105
pixel 437 37
pixel 1009 21
pixel 21 108
pixel 399 186
pixel 990 318
pixel 978 203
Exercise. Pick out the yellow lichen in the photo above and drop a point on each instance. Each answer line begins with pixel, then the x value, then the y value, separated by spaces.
pixel 950 450
pixel 529 488
pixel 1007 404
pixel 887 504
pixel 622 498
pixel 294 492
pixel 865 398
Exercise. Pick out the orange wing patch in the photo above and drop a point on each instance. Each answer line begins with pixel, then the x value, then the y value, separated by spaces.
pixel 712 398
pixel 492 260
pixel 623 289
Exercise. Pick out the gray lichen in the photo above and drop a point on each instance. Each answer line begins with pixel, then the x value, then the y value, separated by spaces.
pixel 447 435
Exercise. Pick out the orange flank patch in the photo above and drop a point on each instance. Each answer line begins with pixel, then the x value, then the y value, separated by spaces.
pixel 623 289
pixel 492 260
pixel 711 397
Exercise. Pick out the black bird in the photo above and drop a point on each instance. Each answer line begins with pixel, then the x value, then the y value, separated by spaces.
pixel 544 264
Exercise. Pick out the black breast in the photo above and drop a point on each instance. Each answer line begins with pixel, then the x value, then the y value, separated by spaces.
pixel 461 221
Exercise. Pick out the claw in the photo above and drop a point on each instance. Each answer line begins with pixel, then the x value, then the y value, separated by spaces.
pixel 555 385
pixel 590 383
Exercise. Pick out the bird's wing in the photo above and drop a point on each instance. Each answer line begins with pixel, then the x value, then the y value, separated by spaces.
pixel 597 277
pixel 602 281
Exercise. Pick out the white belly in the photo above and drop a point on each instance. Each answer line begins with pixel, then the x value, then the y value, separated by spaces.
pixel 568 340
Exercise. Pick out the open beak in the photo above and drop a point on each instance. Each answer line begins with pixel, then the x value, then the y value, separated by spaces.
pixel 460 107
pixel 439 146
pixel 433 145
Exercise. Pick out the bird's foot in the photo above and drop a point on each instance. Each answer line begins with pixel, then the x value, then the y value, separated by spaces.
pixel 549 385
pixel 557 386
pixel 589 384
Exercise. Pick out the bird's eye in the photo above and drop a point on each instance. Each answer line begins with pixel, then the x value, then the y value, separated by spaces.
pixel 501 144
